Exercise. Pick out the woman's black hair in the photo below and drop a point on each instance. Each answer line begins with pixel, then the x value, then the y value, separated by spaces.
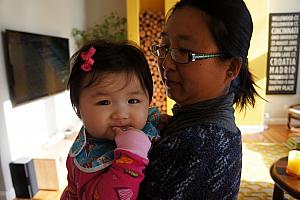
pixel 231 25
pixel 110 57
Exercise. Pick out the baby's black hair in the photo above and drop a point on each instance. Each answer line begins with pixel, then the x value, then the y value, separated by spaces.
pixel 109 57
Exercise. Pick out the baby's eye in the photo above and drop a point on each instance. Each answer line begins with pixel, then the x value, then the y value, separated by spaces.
pixel 103 102
pixel 133 101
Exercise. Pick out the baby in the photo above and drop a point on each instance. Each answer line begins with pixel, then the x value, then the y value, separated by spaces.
pixel 110 89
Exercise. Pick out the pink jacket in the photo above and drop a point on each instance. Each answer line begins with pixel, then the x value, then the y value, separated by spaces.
pixel 94 177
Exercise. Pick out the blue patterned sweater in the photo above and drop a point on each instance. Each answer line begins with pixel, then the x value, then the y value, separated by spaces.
pixel 203 162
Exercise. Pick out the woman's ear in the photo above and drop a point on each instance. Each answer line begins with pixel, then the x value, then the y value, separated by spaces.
pixel 234 68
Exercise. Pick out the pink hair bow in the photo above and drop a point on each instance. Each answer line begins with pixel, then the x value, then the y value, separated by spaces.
pixel 87 57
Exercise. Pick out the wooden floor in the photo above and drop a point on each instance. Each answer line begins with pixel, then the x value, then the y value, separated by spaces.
pixel 273 134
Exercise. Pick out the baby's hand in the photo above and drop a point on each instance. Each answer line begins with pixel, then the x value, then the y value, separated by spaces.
pixel 133 140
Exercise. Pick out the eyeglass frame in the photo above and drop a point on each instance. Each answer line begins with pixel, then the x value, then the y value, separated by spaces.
pixel 192 56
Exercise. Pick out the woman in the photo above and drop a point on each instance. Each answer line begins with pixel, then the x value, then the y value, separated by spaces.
pixel 203 62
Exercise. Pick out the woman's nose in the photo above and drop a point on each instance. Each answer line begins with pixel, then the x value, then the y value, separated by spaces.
pixel 167 63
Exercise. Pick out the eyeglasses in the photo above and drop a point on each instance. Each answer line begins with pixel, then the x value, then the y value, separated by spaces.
pixel 182 56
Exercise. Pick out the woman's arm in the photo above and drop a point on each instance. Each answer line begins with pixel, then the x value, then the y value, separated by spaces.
pixel 190 165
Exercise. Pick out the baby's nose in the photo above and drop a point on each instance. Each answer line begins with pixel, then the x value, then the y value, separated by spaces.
pixel 119 115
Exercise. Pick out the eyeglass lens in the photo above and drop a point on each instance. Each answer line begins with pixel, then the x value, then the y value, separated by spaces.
pixel 176 55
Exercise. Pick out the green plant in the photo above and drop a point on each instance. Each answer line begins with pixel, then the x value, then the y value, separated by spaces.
pixel 112 28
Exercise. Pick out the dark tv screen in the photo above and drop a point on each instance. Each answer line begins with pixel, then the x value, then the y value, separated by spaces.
pixel 37 65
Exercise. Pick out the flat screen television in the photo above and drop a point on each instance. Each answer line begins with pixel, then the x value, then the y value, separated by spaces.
pixel 36 65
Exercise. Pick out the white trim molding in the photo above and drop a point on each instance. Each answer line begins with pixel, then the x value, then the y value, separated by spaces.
pixel 278 120
pixel 251 129
pixel 7 195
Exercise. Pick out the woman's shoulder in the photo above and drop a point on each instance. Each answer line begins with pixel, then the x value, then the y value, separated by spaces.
pixel 204 133
pixel 206 138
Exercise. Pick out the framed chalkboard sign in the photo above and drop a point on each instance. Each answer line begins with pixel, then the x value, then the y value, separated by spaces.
pixel 283 53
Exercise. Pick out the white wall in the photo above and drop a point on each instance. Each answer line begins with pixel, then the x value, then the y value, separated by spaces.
pixel 30 123
pixel 96 10
pixel 278 104
pixel 26 128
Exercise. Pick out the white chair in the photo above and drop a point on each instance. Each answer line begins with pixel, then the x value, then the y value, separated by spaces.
pixel 293 113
